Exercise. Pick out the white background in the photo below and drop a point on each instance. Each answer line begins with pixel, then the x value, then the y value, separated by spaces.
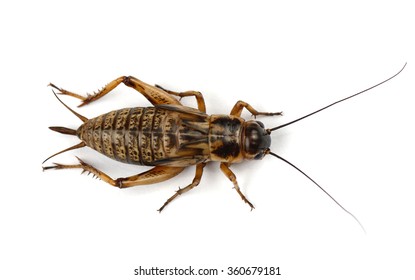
pixel 294 57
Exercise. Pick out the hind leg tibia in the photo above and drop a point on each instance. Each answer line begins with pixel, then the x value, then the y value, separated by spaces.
pixel 152 176
pixel 153 94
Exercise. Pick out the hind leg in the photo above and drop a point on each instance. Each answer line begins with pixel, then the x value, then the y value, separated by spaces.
pixel 152 176
pixel 155 95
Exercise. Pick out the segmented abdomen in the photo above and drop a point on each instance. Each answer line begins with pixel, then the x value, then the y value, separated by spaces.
pixel 146 136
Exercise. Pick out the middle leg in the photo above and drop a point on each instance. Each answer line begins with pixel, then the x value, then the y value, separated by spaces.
pixel 196 181
pixel 197 94
pixel 240 105
pixel 224 166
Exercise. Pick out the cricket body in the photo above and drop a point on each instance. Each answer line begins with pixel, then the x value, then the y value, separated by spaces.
pixel 171 137
pixel 168 136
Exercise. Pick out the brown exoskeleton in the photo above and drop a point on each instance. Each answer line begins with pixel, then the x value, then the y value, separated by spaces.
pixel 171 137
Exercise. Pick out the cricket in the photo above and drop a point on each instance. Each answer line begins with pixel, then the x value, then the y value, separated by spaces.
pixel 171 137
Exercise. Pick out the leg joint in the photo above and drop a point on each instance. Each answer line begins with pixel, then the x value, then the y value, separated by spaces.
pixel 119 182
pixel 127 81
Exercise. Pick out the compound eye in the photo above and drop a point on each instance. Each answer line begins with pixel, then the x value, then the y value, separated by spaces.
pixel 261 124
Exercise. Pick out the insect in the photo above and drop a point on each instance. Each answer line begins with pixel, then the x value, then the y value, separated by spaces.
pixel 171 137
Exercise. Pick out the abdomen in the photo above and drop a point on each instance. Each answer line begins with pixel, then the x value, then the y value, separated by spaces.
pixel 161 135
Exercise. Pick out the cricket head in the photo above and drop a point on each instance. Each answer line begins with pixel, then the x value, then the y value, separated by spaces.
pixel 257 140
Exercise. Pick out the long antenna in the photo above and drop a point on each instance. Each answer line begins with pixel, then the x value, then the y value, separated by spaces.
pixel 321 188
pixel 319 110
